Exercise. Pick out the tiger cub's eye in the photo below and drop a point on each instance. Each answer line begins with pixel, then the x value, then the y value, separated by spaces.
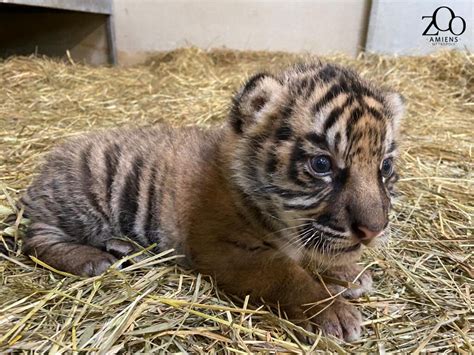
pixel 320 165
pixel 387 167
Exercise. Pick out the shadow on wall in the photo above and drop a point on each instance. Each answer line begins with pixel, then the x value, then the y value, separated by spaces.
pixel 29 30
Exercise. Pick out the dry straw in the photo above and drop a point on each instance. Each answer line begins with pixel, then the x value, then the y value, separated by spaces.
pixel 424 277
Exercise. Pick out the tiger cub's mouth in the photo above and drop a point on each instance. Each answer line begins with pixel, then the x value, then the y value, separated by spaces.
pixel 333 240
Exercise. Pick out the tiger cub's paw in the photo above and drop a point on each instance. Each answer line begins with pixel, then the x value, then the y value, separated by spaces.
pixel 95 264
pixel 341 320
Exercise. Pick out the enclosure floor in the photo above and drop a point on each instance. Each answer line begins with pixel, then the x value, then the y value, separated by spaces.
pixel 423 279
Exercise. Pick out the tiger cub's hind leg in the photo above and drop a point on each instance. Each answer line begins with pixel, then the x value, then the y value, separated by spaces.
pixel 52 246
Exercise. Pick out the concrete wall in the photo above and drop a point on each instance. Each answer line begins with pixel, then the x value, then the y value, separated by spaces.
pixel 145 26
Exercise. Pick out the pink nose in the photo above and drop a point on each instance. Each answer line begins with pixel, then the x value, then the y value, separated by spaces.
pixel 366 234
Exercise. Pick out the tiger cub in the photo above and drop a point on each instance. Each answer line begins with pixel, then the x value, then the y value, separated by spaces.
pixel 301 176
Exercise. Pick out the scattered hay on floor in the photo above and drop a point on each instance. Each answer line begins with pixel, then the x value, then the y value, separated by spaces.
pixel 423 279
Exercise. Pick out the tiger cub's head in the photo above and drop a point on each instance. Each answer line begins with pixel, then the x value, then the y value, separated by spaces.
pixel 314 156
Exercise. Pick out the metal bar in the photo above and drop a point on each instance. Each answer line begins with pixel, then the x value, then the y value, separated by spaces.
pixel 111 40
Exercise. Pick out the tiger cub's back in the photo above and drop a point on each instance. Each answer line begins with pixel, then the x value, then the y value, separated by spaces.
pixel 118 183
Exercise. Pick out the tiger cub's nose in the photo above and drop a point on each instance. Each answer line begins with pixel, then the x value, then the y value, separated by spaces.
pixel 366 235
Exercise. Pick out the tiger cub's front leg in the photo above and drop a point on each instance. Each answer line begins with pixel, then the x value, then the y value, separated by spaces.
pixel 265 274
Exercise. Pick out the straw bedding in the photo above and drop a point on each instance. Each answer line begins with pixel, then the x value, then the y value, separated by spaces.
pixel 423 278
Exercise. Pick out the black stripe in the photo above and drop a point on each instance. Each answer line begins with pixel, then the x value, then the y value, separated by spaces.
pixel 111 158
pixel 236 117
pixel 235 113
pixel 310 89
pixel 285 193
pixel 68 218
pixel 128 203
pixel 297 155
pixel 354 137
pixel 289 207
pixel 155 199
pixel 354 84
pixel 287 109
pixel 88 181
pixel 302 85
pixel 340 179
pixel 272 162
pixel 252 209
pixel 332 118
pixel 337 141
pixel 151 196
pixel 336 113
pixel 359 89
pixel 330 95
pixel 255 144
pixel 258 103
pixel 325 220
pixel 327 73
pixel 252 83
pixel 355 116
pixel 284 132
pixel 392 148
pixel 375 113
pixel 322 241
pixel 317 139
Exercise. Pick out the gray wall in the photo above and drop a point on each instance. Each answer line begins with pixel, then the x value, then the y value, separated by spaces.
pixel 144 26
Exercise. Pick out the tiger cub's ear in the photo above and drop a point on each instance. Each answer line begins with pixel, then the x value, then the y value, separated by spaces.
pixel 254 101
pixel 396 108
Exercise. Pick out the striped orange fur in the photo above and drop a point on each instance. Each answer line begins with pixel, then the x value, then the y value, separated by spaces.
pixel 300 177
